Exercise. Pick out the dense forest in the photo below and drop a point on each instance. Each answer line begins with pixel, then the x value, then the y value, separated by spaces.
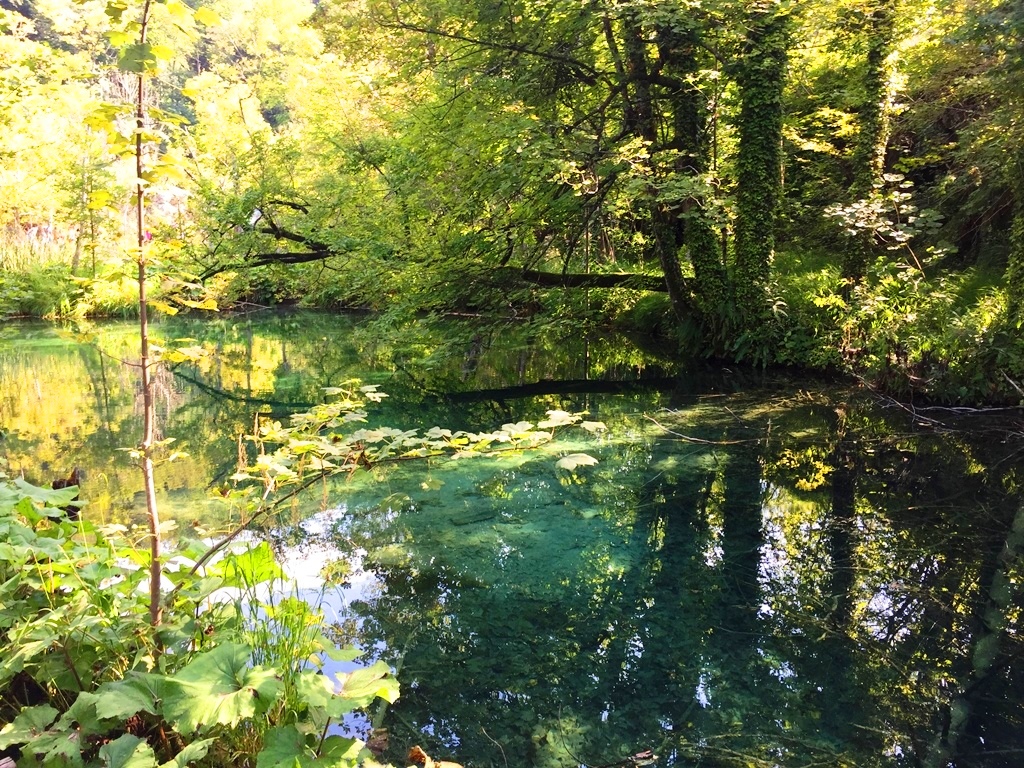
pixel 825 185
pixel 534 214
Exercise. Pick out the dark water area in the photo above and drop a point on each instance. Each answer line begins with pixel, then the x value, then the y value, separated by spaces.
pixel 759 571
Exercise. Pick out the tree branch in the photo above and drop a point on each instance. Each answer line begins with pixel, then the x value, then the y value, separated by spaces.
pixel 578 280
pixel 584 71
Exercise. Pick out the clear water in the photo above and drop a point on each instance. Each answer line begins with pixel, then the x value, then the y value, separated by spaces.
pixel 757 572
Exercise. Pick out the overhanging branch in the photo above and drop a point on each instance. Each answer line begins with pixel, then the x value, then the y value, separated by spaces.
pixel 578 280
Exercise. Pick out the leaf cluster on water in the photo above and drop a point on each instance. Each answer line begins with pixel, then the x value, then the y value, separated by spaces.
pixel 322 440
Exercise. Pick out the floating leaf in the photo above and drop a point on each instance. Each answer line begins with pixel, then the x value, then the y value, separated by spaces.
pixel 163 306
pixel 558 419
pixel 594 426
pixel 518 429
pixel 574 460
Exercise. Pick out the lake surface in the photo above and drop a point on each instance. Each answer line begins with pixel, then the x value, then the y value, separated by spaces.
pixel 758 572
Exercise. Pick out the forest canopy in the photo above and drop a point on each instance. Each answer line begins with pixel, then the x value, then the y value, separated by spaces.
pixel 828 185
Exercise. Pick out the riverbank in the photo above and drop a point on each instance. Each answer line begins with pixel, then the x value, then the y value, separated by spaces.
pixel 946 340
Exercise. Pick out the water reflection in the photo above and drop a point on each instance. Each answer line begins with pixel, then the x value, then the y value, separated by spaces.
pixel 821 591
pixel 755 573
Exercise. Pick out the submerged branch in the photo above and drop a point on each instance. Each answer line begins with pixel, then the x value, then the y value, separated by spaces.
pixel 564 387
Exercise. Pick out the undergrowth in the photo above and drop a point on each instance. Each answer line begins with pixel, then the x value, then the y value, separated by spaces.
pixel 86 680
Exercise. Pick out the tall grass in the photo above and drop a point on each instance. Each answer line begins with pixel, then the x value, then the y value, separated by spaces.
pixel 20 254
pixel 38 279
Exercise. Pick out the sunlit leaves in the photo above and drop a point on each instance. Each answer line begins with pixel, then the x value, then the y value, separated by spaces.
pixel 178 10
pixel 127 751
pixel 207 17
pixel 361 686
pixel 317 440
pixel 575 460
pixel 256 565
pixel 220 688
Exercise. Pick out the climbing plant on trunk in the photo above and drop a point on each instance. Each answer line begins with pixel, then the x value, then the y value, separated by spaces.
pixel 760 73
pixel 873 118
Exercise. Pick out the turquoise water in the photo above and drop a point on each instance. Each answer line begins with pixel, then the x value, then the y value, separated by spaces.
pixel 758 571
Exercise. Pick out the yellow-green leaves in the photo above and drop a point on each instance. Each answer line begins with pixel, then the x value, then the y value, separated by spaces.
pixel 115 10
pixel 178 11
pixel 207 17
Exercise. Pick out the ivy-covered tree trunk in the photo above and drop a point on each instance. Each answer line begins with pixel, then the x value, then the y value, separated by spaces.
pixel 873 119
pixel 761 77
pixel 1015 262
pixel 874 114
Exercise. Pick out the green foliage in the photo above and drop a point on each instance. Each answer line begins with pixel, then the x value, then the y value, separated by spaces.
pixel 40 291
pixel 106 688
pixel 328 439
pixel 418 158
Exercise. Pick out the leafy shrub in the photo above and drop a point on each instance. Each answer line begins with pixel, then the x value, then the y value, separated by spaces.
pixel 86 680
pixel 46 291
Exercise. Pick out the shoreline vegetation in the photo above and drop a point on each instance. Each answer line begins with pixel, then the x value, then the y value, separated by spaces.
pixel 830 188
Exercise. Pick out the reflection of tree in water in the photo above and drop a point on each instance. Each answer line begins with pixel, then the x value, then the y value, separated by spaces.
pixel 733 616
pixel 825 591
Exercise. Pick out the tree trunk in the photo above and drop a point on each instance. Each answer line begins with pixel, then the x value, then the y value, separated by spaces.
pixel 873 119
pixel 678 50
pixel 761 77
pixel 641 120
pixel 145 362
pixel 1015 262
